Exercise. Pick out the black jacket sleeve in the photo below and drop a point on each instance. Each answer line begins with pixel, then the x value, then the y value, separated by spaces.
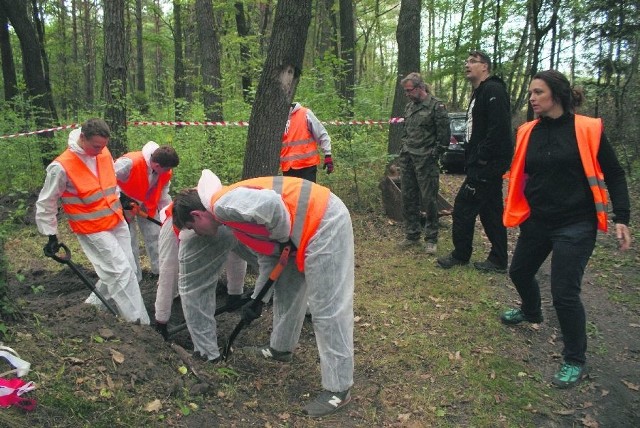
pixel 616 181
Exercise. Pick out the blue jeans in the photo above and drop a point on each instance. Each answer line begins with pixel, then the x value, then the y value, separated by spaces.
pixel 571 246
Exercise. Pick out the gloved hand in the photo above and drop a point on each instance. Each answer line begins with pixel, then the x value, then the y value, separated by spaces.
pixel 126 202
pixel 52 246
pixel 251 311
pixel 469 190
pixel 328 164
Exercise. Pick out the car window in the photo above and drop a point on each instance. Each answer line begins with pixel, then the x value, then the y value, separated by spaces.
pixel 458 125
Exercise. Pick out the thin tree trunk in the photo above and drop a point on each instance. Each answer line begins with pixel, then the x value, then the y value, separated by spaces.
pixel 179 89
pixel 9 78
pixel 140 82
pixel 245 53
pixel 347 54
pixel 89 54
pixel 209 60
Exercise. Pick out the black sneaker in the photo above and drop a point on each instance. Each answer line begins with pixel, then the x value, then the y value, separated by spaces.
pixel 327 403
pixel 267 352
pixel 516 316
pixel 449 261
pixel 488 266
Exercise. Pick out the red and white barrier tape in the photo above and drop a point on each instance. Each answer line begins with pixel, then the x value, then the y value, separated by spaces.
pixel 393 120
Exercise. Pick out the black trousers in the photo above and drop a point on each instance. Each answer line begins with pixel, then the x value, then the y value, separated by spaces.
pixel 482 199
pixel 308 173
pixel 571 247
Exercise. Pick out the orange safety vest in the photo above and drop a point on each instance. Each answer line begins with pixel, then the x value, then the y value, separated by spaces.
pixel 168 211
pixel 588 135
pixel 137 186
pixel 305 201
pixel 95 207
pixel 299 149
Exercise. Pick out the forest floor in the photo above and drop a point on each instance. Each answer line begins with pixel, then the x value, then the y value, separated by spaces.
pixel 430 350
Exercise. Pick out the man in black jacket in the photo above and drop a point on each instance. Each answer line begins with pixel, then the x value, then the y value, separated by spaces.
pixel 488 154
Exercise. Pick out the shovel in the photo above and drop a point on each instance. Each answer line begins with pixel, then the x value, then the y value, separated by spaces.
pixel 136 209
pixel 273 276
pixel 220 310
pixel 66 260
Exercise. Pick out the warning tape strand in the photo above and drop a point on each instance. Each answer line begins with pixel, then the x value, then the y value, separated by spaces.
pixel 393 120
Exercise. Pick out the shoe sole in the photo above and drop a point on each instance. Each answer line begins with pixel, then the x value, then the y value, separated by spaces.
pixel 507 322
pixel 489 270
pixel 443 266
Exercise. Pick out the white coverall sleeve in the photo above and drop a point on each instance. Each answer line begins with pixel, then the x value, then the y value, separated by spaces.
pixel 165 198
pixel 319 133
pixel 257 206
pixel 47 205
pixel 123 167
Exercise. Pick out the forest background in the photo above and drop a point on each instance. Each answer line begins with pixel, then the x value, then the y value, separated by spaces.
pixel 138 62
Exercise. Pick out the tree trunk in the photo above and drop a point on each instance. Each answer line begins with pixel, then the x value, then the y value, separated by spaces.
pixel 115 75
pixel 9 78
pixel 160 70
pixel 179 89
pixel 347 54
pixel 37 91
pixel 75 85
pixel 245 53
pixel 209 60
pixel 277 87
pixel 89 54
pixel 265 20
pixel 408 38
pixel 140 83
pixel 62 57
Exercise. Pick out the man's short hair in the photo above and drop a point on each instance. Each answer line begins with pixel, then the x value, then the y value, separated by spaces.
pixel 166 157
pixel 186 201
pixel 95 126
pixel 415 79
pixel 483 57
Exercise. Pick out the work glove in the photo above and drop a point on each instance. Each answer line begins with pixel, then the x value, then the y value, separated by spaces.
pixel 52 246
pixel 251 311
pixel 328 164
pixel 126 202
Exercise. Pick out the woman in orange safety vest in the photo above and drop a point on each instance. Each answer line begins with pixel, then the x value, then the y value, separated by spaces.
pixel 557 196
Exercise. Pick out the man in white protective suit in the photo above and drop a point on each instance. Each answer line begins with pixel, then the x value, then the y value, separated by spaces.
pixel 83 178
pixel 271 213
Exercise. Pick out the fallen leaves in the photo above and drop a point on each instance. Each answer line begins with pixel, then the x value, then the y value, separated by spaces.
pixel 116 356
pixel 153 406
pixel 631 386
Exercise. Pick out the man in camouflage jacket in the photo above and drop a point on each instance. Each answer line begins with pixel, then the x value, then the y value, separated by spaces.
pixel 426 135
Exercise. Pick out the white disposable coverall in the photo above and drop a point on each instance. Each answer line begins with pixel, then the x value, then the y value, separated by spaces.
pixel 236 267
pixel 327 282
pixel 109 252
pixel 201 259
pixel 149 230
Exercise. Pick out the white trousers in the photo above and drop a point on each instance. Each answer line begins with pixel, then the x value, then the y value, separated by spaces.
pixel 327 285
pixel 150 233
pixel 168 243
pixel 201 259
pixel 110 254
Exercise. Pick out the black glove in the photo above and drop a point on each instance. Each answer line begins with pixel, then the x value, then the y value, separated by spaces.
pixel 52 246
pixel 251 311
pixel 126 202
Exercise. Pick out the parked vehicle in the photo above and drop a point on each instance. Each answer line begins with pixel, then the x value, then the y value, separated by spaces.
pixel 452 159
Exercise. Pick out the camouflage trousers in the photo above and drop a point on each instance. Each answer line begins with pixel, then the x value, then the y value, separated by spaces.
pixel 419 186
